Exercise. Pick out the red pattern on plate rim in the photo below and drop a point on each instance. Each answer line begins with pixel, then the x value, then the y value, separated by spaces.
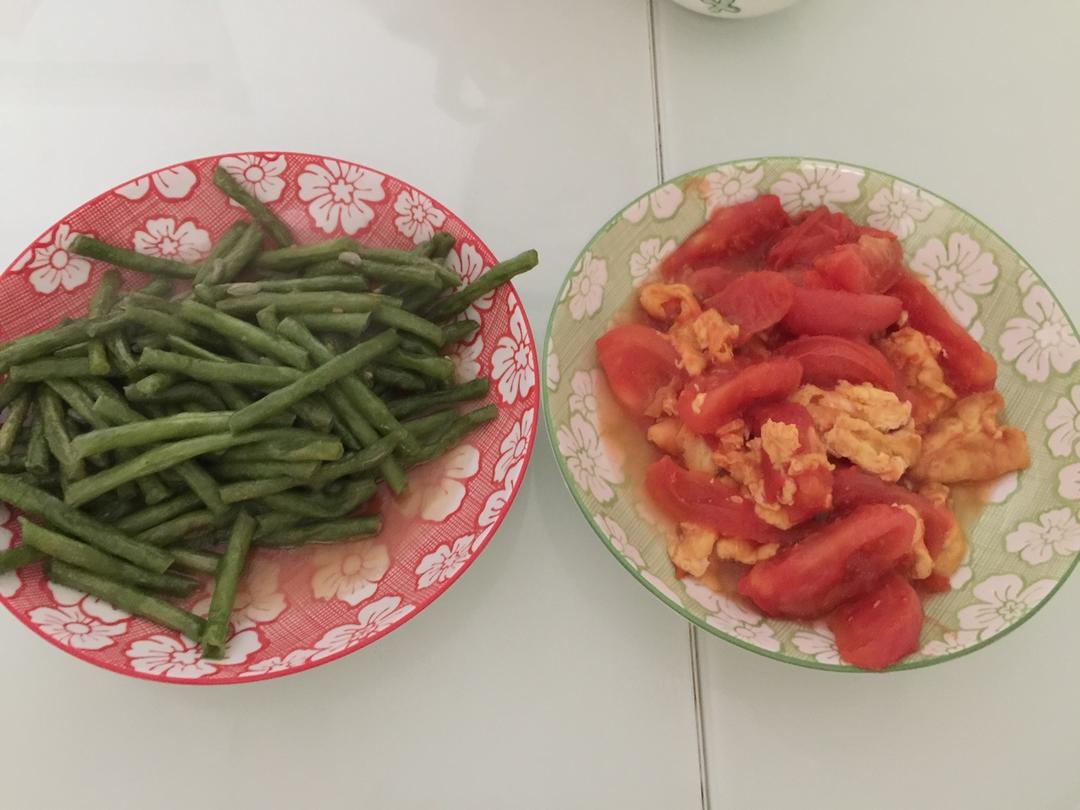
pixel 308 607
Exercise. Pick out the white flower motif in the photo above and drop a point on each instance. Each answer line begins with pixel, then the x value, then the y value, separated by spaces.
pixel 51 264
pixel 437 490
pixel 1057 532
pixel 731 185
pixel 1000 489
pixel 10 582
pixel 513 364
pixel 553 374
pixel 163 237
pixel 260 175
pixel 661 586
pixel 819 643
pixel 180 657
pixel 1004 601
pixel 586 458
pixel 951 642
pixel 957 274
pixel 278 663
pixel 663 202
pixel 817 184
pixel 466 261
pixel 977 330
pixel 90 605
pixel 417 216
pixel 495 506
pixel 583 397
pixel 587 287
pixel 258 599
pixel 1042 340
pixel 649 254
pixel 732 618
pixel 466 359
pixel 73 627
pixel 617 537
pixel 173 184
pixel 338 193
pixel 961 577
pixel 1069 482
pixel 444 562
pixel 350 572
pixel 514 446
pixel 898 208
pixel 372 619
pixel 1064 425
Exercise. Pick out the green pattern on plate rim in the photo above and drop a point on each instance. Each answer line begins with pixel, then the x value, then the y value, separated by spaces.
pixel 1026 540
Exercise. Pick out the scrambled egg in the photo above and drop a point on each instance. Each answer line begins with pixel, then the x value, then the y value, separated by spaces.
pixel 744 551
pixel 915 356
pixel 954 549
pixel 671 436
pixel 669 302
pixel 968 443
pixel 868 426
pixel 689 547
pixel 922 564
pixel 699 337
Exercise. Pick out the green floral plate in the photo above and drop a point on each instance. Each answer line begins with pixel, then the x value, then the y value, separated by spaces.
pixel 1024 543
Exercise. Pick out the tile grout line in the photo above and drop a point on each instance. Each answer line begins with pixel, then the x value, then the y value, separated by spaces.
pixel 692 635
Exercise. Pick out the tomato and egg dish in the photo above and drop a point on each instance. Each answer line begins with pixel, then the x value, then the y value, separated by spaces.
pixel 815 408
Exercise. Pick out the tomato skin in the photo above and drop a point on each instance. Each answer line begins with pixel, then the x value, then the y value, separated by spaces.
pixel 729 231
pixel 706 404
pixel 838 312
pixel 696 497
pixel 853 487
pixel 813 487
pixel 816 233
pixel 638 361
pixel 841 561
pixel 870 265
pixel 968 367
pixel 935 583
pixel 754 301
pixel 706 282
pixel 878 629
pixel 827 359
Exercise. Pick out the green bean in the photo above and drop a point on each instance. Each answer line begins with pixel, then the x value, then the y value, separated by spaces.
pixel 9 392
pixel 313 504
pixel 272 522
pixel 176 529
pixel 415 345
pixel 229 266
pixel 363 254
pixel 50 367
pixel 221 248
pixel 437 368
pixel 441 245
pixel 51 412
pixel 288 303
pixel 408 322
pixel 120 355
pixel 38 457
pixel 313 411
pixel 104 300
pixel 424 426
pixel 187 394
pixel 110 510
pixel 256 488
pixel 151 431
pixel 347 420
pixel 244 354
pixel 297 256
pixel 407 274
pixel 129 599
pixel 408 406
pixel 398 378
pixel 40 344
pixel 79 401
pixel 13 424
pixel 202 562
pixel 245 334
pixel 157 287
pixel 193 349
pixel 158 513
pixel 150 386
pixel 78 350
pixel 33 501
pixel 250 374
pixel 154 460
pixel 204 294
pixel 139 262
pixel 258 210
pixel 347 322
pixel 361 461
pixel 464 425
pixel 74 552
pixel 313 381
pixel 300 448
pixel 161 322
pixel 458 331
pixel 306 284
pixel 242 471
pixel 458 302
pixel 228 575
pixel 330 267
pixel 323 532
pixel 17 557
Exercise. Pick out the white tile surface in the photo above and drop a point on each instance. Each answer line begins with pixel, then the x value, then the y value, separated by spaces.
pixel 546 677
pixel 977 101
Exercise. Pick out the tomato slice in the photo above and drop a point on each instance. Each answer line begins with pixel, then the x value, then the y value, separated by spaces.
pixel 817 232
pixel 731 230
pixel 707 403
pixel 870 265
pixel 697 497
pixel 813 486
pixel 754 301
pixel 881 627
pixel 827 359
pixel 841 561
pixel 968 366
pixel 706 282
pixel 838 312
pixel 638 361
pixel 853 487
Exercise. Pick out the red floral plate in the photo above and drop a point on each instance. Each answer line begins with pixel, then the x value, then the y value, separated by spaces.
pixel 294 609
